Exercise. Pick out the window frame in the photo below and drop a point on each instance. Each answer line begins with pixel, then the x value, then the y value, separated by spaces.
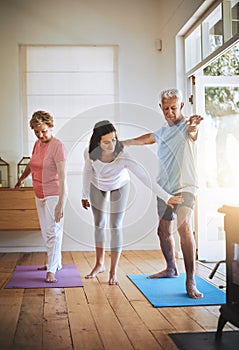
pixel 228 39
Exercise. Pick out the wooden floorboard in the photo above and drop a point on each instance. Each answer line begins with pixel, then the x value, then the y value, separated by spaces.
pixel 96 316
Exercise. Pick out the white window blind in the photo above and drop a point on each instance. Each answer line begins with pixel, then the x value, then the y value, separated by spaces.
pixel 66 81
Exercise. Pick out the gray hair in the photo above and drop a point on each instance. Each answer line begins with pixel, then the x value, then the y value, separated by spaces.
pixel 169 93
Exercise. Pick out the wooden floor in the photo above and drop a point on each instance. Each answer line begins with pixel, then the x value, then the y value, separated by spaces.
pixel 97 316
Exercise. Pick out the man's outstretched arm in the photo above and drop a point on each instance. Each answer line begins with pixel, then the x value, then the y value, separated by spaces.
pixel 193 125
pixel 146 139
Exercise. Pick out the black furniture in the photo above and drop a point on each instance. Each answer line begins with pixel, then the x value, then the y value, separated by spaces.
pixel 230 311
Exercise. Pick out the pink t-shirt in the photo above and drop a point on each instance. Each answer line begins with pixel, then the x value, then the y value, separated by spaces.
pixel 43 167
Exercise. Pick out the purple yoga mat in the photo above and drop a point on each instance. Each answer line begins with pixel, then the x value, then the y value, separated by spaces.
pixel 30 277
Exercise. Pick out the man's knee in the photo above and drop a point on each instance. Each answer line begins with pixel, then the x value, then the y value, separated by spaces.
pixel 164 227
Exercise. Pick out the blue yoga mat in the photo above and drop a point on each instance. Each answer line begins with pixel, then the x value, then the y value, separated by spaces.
pixel 166 292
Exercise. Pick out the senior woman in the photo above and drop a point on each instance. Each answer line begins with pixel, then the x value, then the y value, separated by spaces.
pixel 48 168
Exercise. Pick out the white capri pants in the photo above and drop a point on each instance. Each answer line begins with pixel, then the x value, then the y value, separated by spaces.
pixel 52 232
pixel 99 203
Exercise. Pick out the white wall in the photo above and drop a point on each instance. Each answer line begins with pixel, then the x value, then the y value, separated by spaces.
pixel 143 72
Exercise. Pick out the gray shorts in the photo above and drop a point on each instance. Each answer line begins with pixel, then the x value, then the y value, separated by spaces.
pixel 167 213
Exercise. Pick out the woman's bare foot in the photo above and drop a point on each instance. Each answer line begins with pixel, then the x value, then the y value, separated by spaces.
pixel 192 291
pixel 113 280
pixel 42 268
pixel 165 273
pixel 50 277
pixel 97 269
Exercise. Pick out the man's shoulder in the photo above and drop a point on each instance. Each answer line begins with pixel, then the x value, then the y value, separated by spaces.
pixel 161 129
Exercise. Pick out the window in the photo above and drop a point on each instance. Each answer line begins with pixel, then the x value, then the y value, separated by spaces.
pixel 211 56
pixel 66 81
pixel 235 17
pixel 216 29
pixel 193 49
pixel 212 32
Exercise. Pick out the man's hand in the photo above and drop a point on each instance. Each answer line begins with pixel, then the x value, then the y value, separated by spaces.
pixel 193 124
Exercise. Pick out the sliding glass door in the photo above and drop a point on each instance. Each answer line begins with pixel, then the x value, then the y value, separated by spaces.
pixel 217 99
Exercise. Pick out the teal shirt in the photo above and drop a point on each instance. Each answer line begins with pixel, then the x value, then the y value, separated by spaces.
pixel 177 159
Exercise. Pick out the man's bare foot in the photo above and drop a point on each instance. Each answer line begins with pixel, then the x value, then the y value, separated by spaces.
pixel 50 277
pixel 113 280
pixel 42 268
pixel 192 291
pixel 167 273
pixel 97 269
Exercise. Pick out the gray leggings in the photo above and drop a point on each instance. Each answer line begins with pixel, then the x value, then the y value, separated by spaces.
pixel 99 203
